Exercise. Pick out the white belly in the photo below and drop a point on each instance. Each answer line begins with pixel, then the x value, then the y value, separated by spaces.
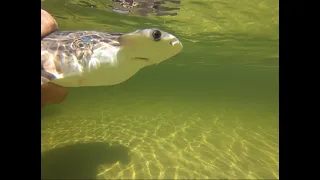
pixel 104 76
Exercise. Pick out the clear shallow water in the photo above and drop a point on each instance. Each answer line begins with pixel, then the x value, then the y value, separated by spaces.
pixel 210 112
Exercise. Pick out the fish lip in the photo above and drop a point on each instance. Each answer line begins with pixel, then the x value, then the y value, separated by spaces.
pixel 175 41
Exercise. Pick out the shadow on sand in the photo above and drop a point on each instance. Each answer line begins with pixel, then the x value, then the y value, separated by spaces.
pixel 80 161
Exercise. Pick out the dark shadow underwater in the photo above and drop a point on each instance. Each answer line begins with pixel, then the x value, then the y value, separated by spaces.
pixel 80 161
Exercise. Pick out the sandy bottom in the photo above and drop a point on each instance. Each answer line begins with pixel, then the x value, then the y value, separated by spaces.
pixel 165 140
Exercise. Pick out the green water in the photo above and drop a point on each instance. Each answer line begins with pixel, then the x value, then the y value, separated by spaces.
pixel 210 112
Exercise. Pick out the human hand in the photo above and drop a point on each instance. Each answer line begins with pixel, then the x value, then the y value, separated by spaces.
pixel 50 93
pixel 48 24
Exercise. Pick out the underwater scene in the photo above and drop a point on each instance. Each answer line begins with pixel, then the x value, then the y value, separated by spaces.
pixel 209 112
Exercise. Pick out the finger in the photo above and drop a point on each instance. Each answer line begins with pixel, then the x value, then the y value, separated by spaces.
pixel 48 23
pixel 52 94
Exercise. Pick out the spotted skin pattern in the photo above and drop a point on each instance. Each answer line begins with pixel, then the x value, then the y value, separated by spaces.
pixel 67 52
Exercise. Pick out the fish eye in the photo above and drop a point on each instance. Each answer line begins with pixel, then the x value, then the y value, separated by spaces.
pixel 156 34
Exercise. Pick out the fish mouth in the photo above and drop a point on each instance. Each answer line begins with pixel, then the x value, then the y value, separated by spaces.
pixel 174 42
pixel 140 58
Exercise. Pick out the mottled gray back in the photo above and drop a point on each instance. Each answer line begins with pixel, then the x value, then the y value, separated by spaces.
pixel 65 52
